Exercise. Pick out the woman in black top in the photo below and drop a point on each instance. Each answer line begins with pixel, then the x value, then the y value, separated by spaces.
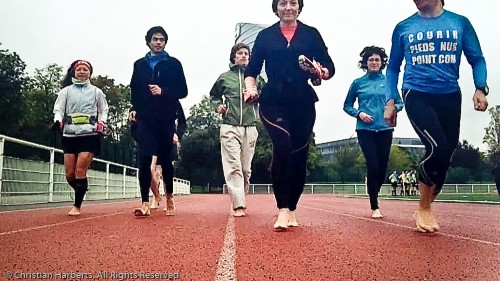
pixel 287 101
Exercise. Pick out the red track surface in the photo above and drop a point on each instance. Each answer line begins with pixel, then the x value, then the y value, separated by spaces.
pixel 337 240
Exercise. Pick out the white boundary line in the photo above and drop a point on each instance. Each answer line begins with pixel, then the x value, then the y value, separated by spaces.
pixel 404 226
pixel 71 221
pixel 57 224
pixel 226 267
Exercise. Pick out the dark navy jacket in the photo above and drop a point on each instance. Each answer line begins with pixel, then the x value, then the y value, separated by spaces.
pixel 169 76
pixel 287 82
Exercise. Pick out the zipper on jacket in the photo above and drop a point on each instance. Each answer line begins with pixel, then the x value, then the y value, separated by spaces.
pixel 241 97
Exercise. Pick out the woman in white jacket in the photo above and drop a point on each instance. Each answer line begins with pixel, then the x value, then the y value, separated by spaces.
pixel 80 111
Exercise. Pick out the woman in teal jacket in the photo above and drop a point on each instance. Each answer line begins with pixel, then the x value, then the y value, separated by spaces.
pixel 374 135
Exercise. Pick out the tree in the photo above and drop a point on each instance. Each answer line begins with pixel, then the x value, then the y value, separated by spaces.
pixel 202 116
pixel 399 160
pixel 12 82
pixel 492 135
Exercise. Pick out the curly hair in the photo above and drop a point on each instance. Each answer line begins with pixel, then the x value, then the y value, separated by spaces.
pixel 235 49
pixel 70 73
pixel 370 51
pixel 275 6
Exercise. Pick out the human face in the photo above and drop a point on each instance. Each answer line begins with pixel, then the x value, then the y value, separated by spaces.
pixel 241 57
pixel 82 73
pixel 288 10
pixel 157 43
pixel 426 5
pixel 374 63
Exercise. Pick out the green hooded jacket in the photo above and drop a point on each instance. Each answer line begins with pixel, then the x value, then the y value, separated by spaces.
pixel 228 90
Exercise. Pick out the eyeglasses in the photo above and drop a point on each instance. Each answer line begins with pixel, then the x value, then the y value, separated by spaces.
pixel 374 60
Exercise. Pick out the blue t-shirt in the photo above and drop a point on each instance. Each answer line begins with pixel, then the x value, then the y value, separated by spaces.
pixel 432 49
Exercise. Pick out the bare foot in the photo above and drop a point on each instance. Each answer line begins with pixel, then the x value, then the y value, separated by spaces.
pixel 239 213
pixel 74 212
pixel 155 203
pixel 292 220
pixel 376 214
pixel 282 221
pixel 425 221
pixel 170 211
pixel 143 211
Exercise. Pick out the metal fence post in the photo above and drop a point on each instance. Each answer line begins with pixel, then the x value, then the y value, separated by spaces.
pixel 107 180
pixel 268 189
pixel 51 176
pixel 456 188
pixel 472 189
pixel 124 180
pixel 312 188
pixel 2 143
pixel 333 188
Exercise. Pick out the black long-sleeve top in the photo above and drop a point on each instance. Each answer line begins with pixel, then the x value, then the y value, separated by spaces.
pixel 286 80
pixel 181 121
pixel 169 76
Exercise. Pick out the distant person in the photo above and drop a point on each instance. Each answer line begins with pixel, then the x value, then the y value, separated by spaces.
pixel 431 42
pixel 80 112
pixel 393 179
pixel 238 131
pixel 374 135
pixel 294 53
pixel 157 83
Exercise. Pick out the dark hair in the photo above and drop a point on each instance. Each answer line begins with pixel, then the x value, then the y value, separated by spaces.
pixel 275 6
pixel 235 49
pixel 370 51
pixel 442 2
pixel 70 73
pixel 152 31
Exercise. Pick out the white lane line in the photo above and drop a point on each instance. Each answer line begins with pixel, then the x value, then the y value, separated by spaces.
pixel 57 224
pixel 67 222
pixel 404 226
pixel 226 267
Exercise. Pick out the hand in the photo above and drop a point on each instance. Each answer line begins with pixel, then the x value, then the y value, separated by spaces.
pixel 131 116
pixel 155 90
pixel 57 126
pixel 175 139
pixel 316 81
pixel 250 94
pixel 480 101
pixel 100 127
pixel 221 109
pixel 390 113
pixel 365 117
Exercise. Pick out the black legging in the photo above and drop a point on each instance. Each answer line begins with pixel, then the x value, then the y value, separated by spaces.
pixel 155 138
pixel 436 120
pixel 376 147
pixel 289 128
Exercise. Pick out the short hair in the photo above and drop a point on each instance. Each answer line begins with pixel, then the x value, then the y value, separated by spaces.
pixel 235 49
pixel 275 6
pixel 370 51
pixel 152 31
pixel 442 2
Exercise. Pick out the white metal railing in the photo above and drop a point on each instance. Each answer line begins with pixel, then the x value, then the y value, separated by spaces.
pixel 19 185
pixel 354 189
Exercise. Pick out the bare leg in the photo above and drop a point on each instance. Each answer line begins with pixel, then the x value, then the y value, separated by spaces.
pixel 424 219
pixel 83 161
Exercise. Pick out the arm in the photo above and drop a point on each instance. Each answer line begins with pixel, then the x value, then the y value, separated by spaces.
pixel 177 87
pixel 256 61
pixel 474 55
pixel 393 68
pixel 102 106
pixel 60 105
pixel 216 94
pixel 323 57
pixel 181 121
pixel 351 97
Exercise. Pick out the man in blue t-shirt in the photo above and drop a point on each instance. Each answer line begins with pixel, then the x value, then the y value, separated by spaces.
pixel 431 42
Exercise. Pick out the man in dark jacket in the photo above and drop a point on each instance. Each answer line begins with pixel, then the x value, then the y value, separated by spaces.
pixel 157 84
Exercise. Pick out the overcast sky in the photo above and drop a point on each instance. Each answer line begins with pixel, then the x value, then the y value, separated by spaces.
pixel 110 34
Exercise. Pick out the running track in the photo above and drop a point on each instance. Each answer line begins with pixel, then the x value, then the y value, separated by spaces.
pixel 337 240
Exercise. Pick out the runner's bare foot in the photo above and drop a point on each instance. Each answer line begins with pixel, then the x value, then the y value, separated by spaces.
pixel 239 213
pixel 282 221
pixel 143 211
pixel 292 220
pixel 170 205
pixel 376 214
pixel 425 221
pixel 74 212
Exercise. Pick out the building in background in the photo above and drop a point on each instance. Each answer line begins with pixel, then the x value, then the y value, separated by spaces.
pixel 329 149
